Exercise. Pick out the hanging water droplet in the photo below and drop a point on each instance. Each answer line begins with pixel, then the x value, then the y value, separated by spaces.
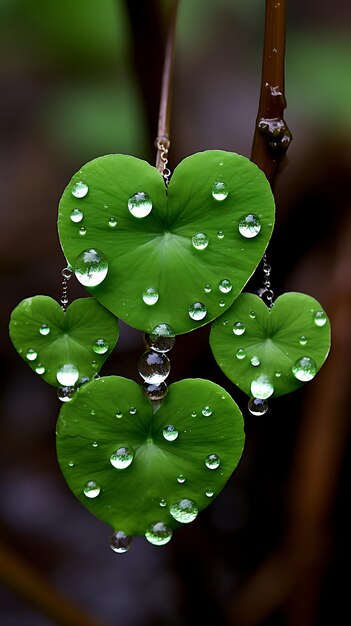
pixel 76 216
pixel 207 288
pixel 239 328
pixel 120 542
pixel 200 241
pixel 219 190
pixel 154 367
pixel 91 489
pixel 82 231
pixel 209 493
pixel 91 267
pixel 140 204
pixel 170 433
pixel 160 343
pixel 44 330
pixel 252 315
pixel 181 479
pixel 112 222
pixel 150 296
pixel 184 511
pixel 65 394
pixel 67 375
pixel 220 234
pixel 225 286
pixel 31 354
pixel 207 411
pixel 240 353
pixel 249 226
pixel 212 461
pixel 80 189
pixel 305 369
pixel 262 388
pixel 257 406
pixel 40 369
pixel 320 318
pixel 255 361
pixel 278 374
pixel 197 311
pixel 100 346
pixel 303 340
pixel 163 503
pixel 132 410
pixel 119 414
pixel 122 458
pixel 154 392
pixel 158 534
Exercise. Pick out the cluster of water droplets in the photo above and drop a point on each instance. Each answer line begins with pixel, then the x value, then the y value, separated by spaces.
pixel 154 365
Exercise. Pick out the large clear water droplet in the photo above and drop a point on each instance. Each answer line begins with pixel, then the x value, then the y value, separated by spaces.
pixel 91 489
pixel 160 343
pixel 240 354
pixel 305 369
pixel 44 330
pixel 197 311
pixel 112 222
pixel 225 286
pixel 320 318
pixel 207 411
pixel 184 511
pixel 76 216
pixel 255 361
pixel 40 369
pixel 200 241
pixel 154 367
pixel 67 375
pixel 212 461
pixel 150 296
pixel 170 433
pixel 140 204
pixel 219 190
pixel 249 226
pixel 91 267
pixel 158 534
pixel 100 346
pixel 120 542
pixel 65 394
pixel 239 328
pixel 80 189
pixel 262 388
pixel 154 392
pixel 31 354
pixel 122 457
pixel 257 406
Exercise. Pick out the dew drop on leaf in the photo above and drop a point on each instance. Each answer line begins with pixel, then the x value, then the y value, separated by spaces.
pixel 220 234
pixel 119 414
pixel 44 330
pixel 80 189
pixel 120 542
pixel 76 216
pixel 67 375
pixel 219 190
pixel 200 241
pixel 160 343
pixel 303 340
pixel 184 511
pixel 82 231
pixel 163 503
pixel 100 346
pixel 305 369
pixel 121 458
pixel 31 354
pixel 207 288
pixel 255 361
pixel 239 328
pixel 91 489
pixel 132 410
pixel 170 433
pixel 262 388
pixel 212 461
pixel 320 318
pixel 197 311
pixel 240 354
pixel 225 286
pixel 112 222
pixel 249 226
pixel 154 367
pixel 181 479
pixel 140 204
pixel 158 534
pixel 209 493
pixel 91 267
pixel 65 394
pixel 40 369
pixel 150 296
pixel 207 411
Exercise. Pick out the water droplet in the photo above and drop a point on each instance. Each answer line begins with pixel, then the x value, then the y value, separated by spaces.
pixel 255 361
pixel 212 461
pixel 170 433
pixel 163 503
pixel 120 542
pixel 70 464
pixel 193 414
pixel 119 414
pixel 95 444
pixel 209 493
pixel 200 241
pixel 91 489
pixel 305 369
pixel 154 392
pixel 132 410
pixel 112 222
pixel 82 380
pixel 80 189
pixel 140 204
pixel 262 387
pixel 221 303
pixel 184 511
pixel 40 369
pixel 252 315
pixel 82 231
pixel 44 330
pixel 65 394
pixel 154 367
pixel 249 226
pixel 92 412
pixel 257 406
pixel 220 234
pixel 225 323
pixel 303 340
pixel 197 311
pixel 278 374
pixel 100 346
pixel 181 479
pixel 219 190
pixel 67 375
pixel 91 267
pixel 240 353
pixel 76 216
pixel 31 354
pixel 207 288
pixel 158 342
pixel 320 318
pixel 207 411
pixel 121 458
pixel 225 286
pixel 239 328
pixel 150 296
pixel 158 534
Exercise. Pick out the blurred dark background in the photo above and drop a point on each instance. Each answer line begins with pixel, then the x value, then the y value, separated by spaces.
pixel 81 79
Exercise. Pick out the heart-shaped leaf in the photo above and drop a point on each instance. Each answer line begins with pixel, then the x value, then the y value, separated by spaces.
pixel 63 347
pixel 270 352
pixel 179 256
pixel 129 466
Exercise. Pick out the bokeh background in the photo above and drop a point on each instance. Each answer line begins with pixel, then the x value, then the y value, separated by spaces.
pixel 81 79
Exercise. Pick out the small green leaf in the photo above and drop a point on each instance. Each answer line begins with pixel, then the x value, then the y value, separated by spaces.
pixel 194 246
pixel 199 419
pixel 49 339
pixel 271 352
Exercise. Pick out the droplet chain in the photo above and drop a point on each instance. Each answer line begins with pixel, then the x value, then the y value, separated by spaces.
pixel 66 274
pixel 266 292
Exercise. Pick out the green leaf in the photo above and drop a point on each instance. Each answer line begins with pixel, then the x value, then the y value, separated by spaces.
pixel 48 338
pixel 88 433
pixel 272 343
pixel 156 251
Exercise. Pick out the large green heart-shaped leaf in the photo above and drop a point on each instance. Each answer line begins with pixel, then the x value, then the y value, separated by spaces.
pixel 63 347
pixel 111 414
pixel 270 352
pixel 197 244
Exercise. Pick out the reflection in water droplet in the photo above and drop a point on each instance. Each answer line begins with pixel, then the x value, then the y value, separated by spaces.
pixel 212 461
pixel 170 433
pixel 252 315
pixel 184 511
pixel 100 346
pixel 65 394
pixel 163 503
pixel 120 542
pixel 219 190
pixel 239 328
pixel 200 241
pixel 207 411
pixel 209 493
pixel 262 387
pixel 207 288
pixel 132 410
pixel 225 286
pixel 158 534
pixel 44 330
pixel 220 234
pixel 40 369
pixel 303 340
pixel 240 353
pixel 161 343
pixel 150 296
pixel 91 267
pixel 249 226
pixel 140 204
pixel 80 189
pixel 76 216
pixel 305 369
pixel 154 367
pixel 320 318
pixel 257 406
pixel 82 231
pixel 181 479
pixel 122 457
pixel 197 311
pixel 91 489
pixel 67 375
pixel 31 354
pixel 154 392
pixel 255 361
pixel 112 222
pixel 119 414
